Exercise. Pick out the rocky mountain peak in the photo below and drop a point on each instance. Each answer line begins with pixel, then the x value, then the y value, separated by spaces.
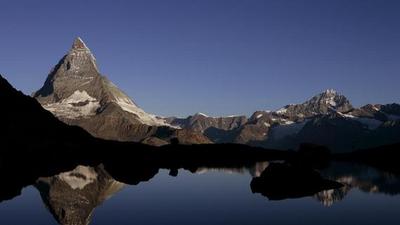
pixel 79 44
pixel 77 70
pixel 80 60
pixel 323 103
pixel 329 97
pixel 75 90
pixel 327 101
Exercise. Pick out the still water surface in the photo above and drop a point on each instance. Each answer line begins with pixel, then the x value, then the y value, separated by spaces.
pixel 205 196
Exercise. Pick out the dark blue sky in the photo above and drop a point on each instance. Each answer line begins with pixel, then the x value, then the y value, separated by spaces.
pixel 217 57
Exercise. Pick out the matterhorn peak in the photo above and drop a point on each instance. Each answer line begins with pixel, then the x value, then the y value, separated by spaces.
pixel 79 44
pixel 75 91
pixel 80 59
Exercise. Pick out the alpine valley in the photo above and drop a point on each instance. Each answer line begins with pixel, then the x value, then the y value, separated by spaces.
pixel 78 94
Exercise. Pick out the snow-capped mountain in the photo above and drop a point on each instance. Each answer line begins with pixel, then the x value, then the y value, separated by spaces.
pixel 75 89
pixel 327 118
pixel 329 100
pixel 76 93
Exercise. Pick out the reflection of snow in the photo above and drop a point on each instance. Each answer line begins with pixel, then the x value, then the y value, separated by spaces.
pixel 79 177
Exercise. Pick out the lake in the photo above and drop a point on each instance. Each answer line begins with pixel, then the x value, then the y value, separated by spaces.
pixel 89 195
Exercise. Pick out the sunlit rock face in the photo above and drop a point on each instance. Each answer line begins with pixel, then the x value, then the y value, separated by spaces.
pixel 72 196
pixel 78 94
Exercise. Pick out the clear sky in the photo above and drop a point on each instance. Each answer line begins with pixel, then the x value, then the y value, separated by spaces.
pixel 213 56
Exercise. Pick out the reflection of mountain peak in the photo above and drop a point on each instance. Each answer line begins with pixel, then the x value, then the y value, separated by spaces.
pixel 72 196
pixel 328 197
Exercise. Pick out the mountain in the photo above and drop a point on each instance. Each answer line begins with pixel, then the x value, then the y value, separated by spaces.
pixel 329 119
pixel 77 94
pixel 328 101
pixel 201 122
pixel 326 119
pixel 214 128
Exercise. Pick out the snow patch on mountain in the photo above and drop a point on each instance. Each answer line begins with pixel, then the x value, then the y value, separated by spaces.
pixel 287 122
pixel 346 115
pixel 231 116
pixel 79 104
pixel 146 118
pixel 282 110
pixel 78 96
pixel 202 114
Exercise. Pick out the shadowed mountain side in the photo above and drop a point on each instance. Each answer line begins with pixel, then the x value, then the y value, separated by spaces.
pixel 281 181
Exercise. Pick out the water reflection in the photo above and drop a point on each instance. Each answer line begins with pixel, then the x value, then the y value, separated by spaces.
pixel 72 196
pixel 254 170
pixel 357 176
pixel 283 180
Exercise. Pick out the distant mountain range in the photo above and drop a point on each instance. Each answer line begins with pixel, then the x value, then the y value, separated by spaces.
pixel 326 119
pixel 77 94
